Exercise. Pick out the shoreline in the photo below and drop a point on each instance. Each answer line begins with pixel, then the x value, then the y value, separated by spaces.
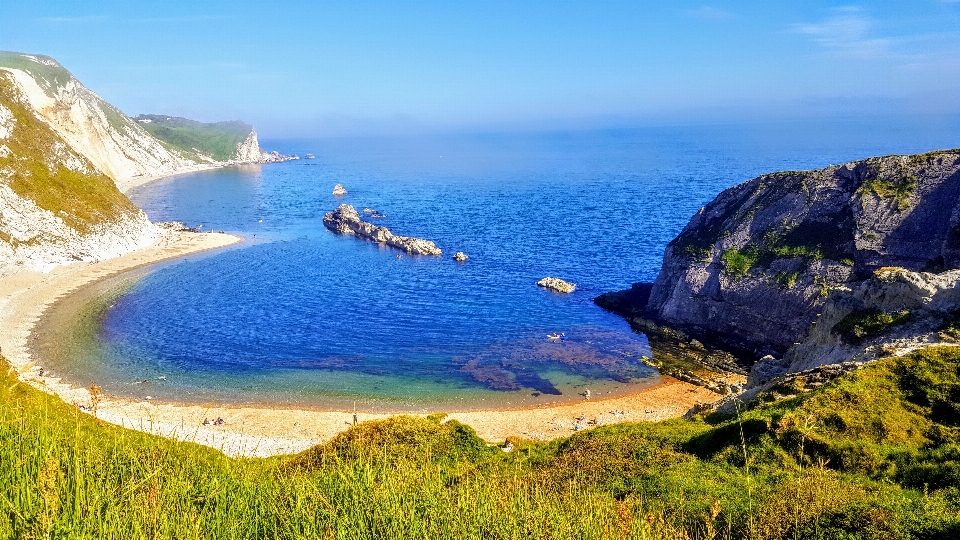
pixel 258 431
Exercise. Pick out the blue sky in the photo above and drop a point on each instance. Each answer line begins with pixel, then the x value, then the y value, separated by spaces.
pixel 329 68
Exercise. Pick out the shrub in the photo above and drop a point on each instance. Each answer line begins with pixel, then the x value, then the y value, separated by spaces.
pixel 738 263
pixel 863 324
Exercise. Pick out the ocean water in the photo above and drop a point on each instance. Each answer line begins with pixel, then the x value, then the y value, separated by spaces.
pixel 298 315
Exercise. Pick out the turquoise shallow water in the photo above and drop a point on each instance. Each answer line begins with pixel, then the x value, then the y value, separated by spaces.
pixel 299 315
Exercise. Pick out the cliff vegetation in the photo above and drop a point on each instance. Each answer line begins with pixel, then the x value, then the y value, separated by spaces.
pixel 218 141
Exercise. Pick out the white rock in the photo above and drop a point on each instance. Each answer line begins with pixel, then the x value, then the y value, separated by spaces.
pixel 557 285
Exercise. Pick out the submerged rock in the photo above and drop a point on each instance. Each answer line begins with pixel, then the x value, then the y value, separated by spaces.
pixel 339 190
pixel 460 256
pixel 557 285
pixel 346 220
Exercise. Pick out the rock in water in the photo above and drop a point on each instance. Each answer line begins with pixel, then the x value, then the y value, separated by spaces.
pixel 557 285
pixel 339 190
pixel 460 256
pixel 346 220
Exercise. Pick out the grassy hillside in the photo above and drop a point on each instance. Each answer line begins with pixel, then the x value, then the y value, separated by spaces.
pixel 36 168
pixel 873 455
pixel 218 140
pixel 48 73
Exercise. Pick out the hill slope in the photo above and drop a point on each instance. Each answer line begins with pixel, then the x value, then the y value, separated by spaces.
pixel 873 455
pixel 116 145
pixel 220 141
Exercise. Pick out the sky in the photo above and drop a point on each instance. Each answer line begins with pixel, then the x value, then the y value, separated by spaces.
pixel 298 69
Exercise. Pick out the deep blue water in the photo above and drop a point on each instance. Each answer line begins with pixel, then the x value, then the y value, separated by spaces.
pixel 298 314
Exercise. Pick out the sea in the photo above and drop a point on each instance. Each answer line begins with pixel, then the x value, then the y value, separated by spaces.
pixel 298 316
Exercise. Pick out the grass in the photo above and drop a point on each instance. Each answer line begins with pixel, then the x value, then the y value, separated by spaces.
pixel 862 324
pixel 218 140
pixel 786 280
pixel 81 199
pixel 738 263
pixel 897 188
pixel 875 454
pixel 51 76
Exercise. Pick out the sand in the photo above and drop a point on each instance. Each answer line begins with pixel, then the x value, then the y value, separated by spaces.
pixel 266 431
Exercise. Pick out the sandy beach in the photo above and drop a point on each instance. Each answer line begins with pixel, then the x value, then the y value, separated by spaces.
pixel 264 431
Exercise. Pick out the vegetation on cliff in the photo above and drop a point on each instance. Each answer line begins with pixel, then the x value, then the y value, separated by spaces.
pixel 39 166
pixel 874 454
pixel 218 140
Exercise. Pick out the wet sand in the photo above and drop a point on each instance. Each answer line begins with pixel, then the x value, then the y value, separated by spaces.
pixel 264 431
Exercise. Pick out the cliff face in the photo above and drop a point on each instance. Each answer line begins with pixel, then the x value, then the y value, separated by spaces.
pixel 894 312
pixel 64 152
pixel 755 266
pixel 115 144
pixel 118 146
pixel 56 206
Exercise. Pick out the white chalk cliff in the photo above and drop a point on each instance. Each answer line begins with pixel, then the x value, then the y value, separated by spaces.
pixel 66 155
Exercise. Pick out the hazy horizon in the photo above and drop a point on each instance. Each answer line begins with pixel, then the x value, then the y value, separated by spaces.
pixel 297 69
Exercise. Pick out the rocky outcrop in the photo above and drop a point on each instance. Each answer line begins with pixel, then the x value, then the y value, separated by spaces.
pixel 755 266
pixel 460 256
pixel 249 151
pixel 346 220
pixel 339 191
pixel 557 285
pixel 894 312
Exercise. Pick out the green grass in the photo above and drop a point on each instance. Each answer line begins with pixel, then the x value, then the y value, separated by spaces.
pixel 49 77
pixel 82 200
pixel 738 263
pixel 218 140
pixel 787 280
pixel 863 324
pixel 897 188
pixel 875 454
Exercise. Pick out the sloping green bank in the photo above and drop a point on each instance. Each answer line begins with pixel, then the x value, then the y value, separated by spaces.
pixel 873 455
pixel 217 140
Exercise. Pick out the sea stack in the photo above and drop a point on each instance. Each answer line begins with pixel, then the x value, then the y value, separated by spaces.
pixel 557 285
pixel 339 190
pixel 346 220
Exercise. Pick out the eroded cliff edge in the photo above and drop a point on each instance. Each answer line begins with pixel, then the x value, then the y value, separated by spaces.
pixel 754 268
